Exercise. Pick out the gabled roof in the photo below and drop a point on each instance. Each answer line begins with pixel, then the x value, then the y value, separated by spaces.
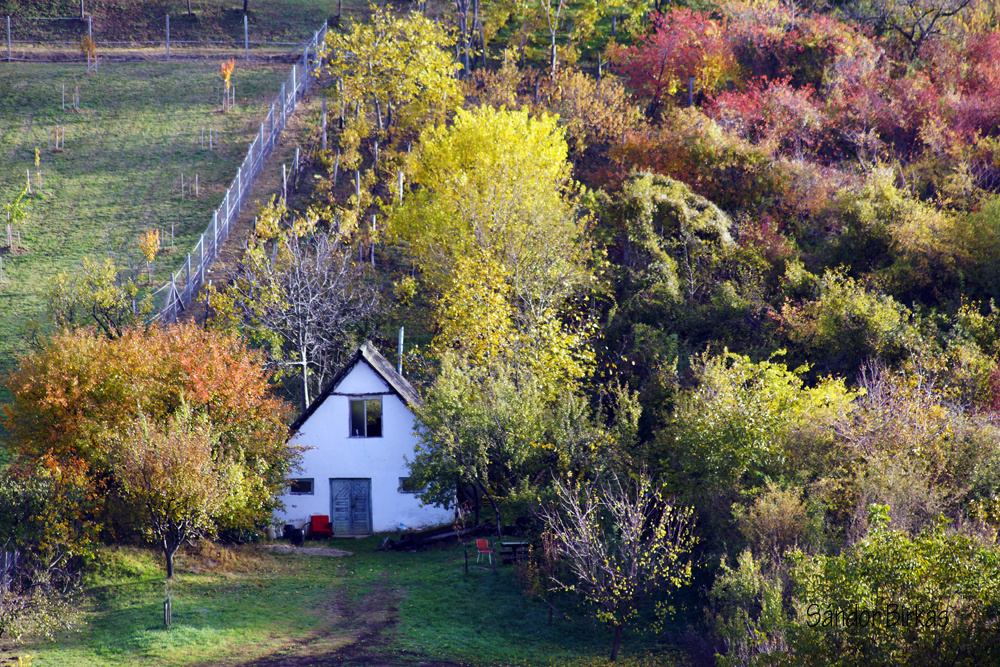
pixel 380 365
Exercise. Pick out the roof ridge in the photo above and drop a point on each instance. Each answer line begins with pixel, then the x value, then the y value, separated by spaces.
pixel 382 367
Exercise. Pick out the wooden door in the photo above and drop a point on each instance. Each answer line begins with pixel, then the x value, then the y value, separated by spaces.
pixel 350 506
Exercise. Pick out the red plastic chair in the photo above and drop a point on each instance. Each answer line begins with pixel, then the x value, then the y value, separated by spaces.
pixel 320 526
pixel 484 548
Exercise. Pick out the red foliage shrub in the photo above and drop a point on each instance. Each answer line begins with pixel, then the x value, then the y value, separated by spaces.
pixel 683 43
pixel 775 115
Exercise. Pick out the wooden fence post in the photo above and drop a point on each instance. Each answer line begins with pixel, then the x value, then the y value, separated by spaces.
pixel 168 36
pixel 8 40
pixel 246 37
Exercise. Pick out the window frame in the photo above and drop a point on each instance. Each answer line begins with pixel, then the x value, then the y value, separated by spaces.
pixel 402 488
pixel 312 486
pixel 364 400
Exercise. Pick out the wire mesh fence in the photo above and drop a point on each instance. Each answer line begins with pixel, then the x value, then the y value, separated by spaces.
pixel 44 39
pixel 170 300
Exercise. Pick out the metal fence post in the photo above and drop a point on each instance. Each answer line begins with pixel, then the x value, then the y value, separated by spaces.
pixel 90 27
pixel 171 299
pixel 252 166
pixel 246 37
pixel 8 39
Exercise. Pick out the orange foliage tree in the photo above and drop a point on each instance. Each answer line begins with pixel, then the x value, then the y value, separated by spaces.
pixel 75 398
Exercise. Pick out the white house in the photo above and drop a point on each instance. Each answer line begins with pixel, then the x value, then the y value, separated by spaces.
pixel 358 432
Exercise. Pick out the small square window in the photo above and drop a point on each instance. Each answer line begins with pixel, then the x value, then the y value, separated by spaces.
pixel 300 487
pixel 407 486
pixel 366 418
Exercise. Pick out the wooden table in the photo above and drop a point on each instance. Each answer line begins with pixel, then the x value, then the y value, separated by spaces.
pixel 513 552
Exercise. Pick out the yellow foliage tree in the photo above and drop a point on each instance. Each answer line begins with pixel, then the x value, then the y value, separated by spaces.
pixel 398 62
pixel 149 245
pixel 494 229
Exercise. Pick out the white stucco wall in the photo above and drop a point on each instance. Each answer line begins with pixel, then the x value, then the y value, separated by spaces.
pixel 334 454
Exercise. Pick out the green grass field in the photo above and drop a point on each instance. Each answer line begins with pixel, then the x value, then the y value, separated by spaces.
pixel 234 607
pixel 138 127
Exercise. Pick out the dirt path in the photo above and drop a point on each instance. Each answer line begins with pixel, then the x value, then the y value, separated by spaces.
pixel 359 633
pixel 308 551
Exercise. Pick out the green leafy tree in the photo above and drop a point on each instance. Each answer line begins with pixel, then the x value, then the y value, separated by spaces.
pixel 481 428
pixel 102 293
pixel 891 600
pixel 743 425
pixel 669 236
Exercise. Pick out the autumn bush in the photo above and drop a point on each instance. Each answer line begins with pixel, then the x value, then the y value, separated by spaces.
pixel 691 147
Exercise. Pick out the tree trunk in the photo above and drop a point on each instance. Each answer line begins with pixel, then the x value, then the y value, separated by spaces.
pixel 189 8
pixel 496 510
pixel 168 552
pixel 305 381
pixel 245 6
pixel 617 644
pixel 553 57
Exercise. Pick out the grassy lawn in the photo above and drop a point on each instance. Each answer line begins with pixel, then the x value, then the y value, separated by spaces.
pixel 139 125
pixel 249 606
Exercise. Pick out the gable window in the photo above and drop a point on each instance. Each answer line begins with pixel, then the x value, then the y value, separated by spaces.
pixel 300 487
pixel 366 417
